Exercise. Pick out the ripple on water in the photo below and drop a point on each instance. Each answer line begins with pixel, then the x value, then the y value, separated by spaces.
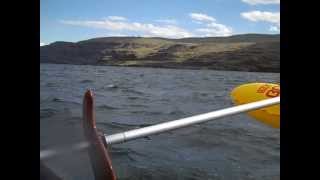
pixel 86 81
pixel 47 112
pixel 106 107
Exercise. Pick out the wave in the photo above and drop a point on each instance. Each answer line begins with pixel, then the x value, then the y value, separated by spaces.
pixel 86 81
pixel 106 107
pixel 47 112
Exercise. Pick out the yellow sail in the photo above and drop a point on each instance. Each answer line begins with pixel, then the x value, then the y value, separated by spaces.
pixel 255 92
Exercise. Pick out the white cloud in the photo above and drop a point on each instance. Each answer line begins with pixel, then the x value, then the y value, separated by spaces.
pixel 255 2
pixel 117 34
pixel 212 27
pixel 142 29
pixel 274 28
pixel 120 26
pixel 215 29
pixel 260 16
pixel 167 21
pixel 42 44
pixel 201 17
pixel 116 18
pixel 256 16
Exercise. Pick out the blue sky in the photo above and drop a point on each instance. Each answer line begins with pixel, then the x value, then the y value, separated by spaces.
pixel 75 20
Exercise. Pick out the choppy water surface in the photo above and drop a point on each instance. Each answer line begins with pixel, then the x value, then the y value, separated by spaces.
pixel 230 148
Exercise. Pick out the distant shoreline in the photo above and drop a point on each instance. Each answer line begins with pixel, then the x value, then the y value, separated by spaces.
pixel 247 53
pixel 155 67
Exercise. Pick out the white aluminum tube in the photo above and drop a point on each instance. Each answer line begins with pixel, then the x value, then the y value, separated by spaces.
pixel 171 125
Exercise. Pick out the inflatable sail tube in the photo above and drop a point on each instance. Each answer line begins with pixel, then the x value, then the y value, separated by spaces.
pixel 255 92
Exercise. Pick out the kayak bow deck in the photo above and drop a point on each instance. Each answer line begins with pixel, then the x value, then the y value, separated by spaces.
pixel 98 149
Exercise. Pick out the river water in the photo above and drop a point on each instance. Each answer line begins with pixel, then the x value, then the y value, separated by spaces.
pixel 234 147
